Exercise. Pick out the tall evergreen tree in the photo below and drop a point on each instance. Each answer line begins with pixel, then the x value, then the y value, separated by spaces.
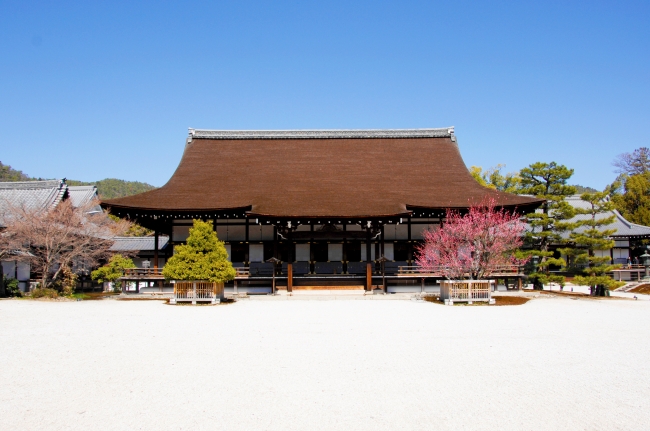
pixel 591 235
pixel 204 257
pixel 547 181
pixel 634 201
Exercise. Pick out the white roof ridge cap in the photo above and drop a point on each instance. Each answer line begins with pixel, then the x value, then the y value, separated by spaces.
pixel 320 133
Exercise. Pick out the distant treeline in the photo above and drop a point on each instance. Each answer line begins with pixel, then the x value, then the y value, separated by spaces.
pixel 111 188
pixel 108 188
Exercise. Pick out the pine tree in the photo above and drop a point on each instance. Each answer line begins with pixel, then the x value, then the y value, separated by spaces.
pixel 591 238
pixel 204 257
pixel 114 269
pixel 547 181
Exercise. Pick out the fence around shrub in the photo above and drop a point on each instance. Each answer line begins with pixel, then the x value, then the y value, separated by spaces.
pixel 197 291
pixel 466 291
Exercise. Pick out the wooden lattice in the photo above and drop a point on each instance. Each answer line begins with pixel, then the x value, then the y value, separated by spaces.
pixel 197 291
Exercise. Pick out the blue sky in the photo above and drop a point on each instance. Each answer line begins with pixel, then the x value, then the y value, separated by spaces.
pixel 90 90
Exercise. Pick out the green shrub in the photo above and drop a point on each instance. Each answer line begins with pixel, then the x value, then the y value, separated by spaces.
pixel 11 288
pixel 44 293
pixel 113 270
pixel 204 257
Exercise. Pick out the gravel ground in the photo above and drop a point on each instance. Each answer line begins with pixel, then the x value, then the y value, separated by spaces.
pixel 553 363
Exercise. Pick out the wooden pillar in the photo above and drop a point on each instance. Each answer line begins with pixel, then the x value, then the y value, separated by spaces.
pixel 369 277
pixel 292 247
pixel 345 251
pixel 275 242
pixel 368 259
pixel 376 255
pixel 289 277
pixel 155 248
pixel 519 283
pixel 410 244
pixel 312 265
pixel 247 255
pixel 382 240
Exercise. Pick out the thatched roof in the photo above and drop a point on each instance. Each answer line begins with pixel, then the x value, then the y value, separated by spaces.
pixel 319 173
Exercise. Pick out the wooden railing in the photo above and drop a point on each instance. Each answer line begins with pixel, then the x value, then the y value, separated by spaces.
pixel 143 272
pixel 194 291
pixel 242 271
pixel 418 271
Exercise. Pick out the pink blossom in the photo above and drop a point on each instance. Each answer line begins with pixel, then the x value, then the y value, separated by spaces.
pixel 474 245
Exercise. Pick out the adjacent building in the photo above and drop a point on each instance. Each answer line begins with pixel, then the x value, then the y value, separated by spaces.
pixel 34 195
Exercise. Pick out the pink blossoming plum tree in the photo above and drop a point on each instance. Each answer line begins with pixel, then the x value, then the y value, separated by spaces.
pixel 474 244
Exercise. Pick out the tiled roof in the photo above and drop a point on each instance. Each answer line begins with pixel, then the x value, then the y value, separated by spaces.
pixel 33 195
pixel 624 228
pixel 138 243
pixel 47 194
pixel 81 195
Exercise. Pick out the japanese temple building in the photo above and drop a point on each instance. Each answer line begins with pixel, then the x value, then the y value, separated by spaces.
pixel 328 202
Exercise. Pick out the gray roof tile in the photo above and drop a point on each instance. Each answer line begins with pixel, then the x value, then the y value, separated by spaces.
pixel 138 243
pixel 33 195
pixel 624 228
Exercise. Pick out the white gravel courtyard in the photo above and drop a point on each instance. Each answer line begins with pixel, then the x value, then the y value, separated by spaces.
pixel 551 364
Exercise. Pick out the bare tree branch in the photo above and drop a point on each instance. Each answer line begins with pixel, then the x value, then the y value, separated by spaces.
pixel 63 237
pixel 637 162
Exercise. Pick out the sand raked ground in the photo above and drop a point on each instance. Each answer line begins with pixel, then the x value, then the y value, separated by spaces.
pixel 551 364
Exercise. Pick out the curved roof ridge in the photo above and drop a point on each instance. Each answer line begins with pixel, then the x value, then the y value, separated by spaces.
pixel 31 185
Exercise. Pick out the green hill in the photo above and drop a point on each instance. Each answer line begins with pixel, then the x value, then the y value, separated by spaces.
pixel 7 173
pixel 111 188
pixel 582 189
pixel 108 188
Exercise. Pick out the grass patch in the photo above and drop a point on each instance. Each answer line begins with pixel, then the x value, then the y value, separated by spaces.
pixel 510 300
pixel 643 289
pixel 92 296
pixel 580 295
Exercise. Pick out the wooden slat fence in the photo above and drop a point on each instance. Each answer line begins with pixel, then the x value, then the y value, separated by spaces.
pixel 195 291
pixel 466 291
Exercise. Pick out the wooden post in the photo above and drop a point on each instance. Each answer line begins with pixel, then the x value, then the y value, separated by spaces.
pixel 344 257
pixel 369 277
pixel 155 248
pixel 155 254
pixel 275 242
pixel 382 243
pixel 409 256
pixel 368 254
pixel 289 277
pixel 422 288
